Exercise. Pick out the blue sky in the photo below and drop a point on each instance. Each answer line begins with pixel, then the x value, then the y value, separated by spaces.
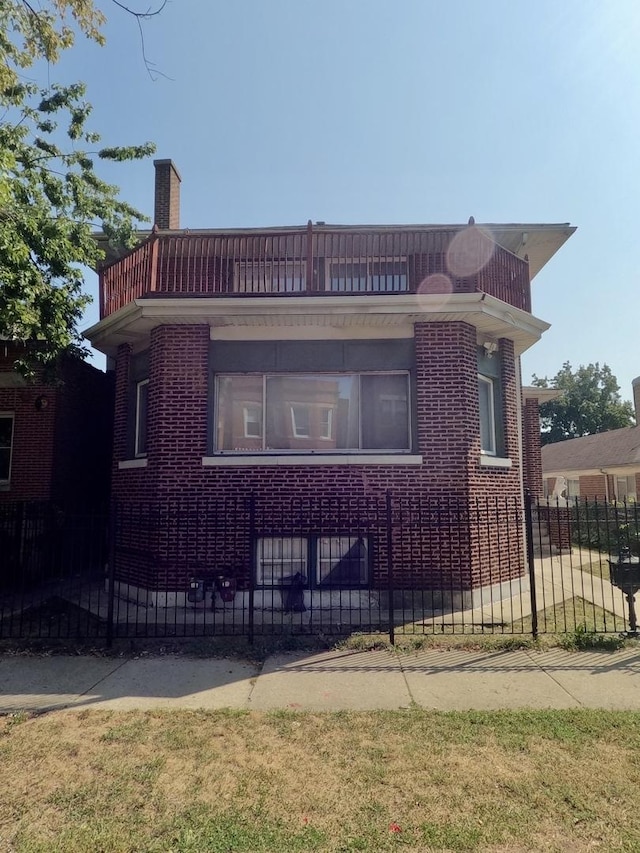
pixel 413 111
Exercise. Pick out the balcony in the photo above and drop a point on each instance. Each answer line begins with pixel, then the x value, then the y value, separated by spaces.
pixel 316 261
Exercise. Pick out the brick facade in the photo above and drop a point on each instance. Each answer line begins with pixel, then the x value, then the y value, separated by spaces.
pixel 463 551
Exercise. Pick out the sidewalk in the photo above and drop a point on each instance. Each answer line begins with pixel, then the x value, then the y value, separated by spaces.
pixel 330 681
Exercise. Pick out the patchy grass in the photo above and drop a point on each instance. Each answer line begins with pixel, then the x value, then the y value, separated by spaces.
pixel 566 617
pixel 227 782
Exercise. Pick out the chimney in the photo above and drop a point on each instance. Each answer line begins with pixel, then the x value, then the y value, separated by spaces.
pixel 636 398
pixel 167 198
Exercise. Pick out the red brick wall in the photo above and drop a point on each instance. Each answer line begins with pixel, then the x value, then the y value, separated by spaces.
pixel 531 449
pixel 448 437
pixel 594 486
pixel 33 434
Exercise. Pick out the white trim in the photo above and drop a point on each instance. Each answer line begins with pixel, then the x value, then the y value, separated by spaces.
pixel 376 311
pixel 495 462
pixel 132 463
pixel 265 459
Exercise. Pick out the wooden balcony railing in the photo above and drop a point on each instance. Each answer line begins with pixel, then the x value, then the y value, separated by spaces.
pixel 315 261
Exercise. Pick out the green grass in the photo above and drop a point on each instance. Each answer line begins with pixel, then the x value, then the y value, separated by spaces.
pixel 230 782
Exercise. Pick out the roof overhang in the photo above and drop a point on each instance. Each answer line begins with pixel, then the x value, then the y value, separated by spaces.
pixel 542 395
pixel 263 316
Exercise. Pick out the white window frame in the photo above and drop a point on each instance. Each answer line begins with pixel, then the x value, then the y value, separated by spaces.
pixel 249 420
pixel 490 383
pixel 281 560
pixel 295 426
pixel 630 492
pixel 139 454
pixel 326 434
pixel 9 416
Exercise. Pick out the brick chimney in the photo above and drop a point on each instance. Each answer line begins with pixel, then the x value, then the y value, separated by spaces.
pixel 167 197
pixel 636 398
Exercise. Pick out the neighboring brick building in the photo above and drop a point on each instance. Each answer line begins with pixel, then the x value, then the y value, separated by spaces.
pixel 55 436
pixel 314 362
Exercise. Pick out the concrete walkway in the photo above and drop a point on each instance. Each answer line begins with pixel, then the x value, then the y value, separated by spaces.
pixel 330 681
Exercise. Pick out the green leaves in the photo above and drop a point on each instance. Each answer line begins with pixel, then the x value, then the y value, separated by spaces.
pixel 51 198
pixel 590 403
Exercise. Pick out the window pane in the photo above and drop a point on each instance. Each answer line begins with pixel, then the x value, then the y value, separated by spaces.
pixel 270 276
pixel 348 277
pixel 342 561
pixel 312 412
pixel 6 430
pixel 389 276
pixel 239 413
pixel 142 396
pixel 279 558
pixel 487 416
pixel 6 437
pixel 385 411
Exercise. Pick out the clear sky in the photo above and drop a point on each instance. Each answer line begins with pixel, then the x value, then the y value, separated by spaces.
pixel 413 111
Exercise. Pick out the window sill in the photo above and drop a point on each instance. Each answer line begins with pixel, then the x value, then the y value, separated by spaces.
pixel 132 463
pixel 311 459
pixel 5 487
pixel 495 462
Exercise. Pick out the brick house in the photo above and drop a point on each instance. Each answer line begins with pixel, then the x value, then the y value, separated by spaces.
pixel 321 361
pixel 56 434
pixel 603 466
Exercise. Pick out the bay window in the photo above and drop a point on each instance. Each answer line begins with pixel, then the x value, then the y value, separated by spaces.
pixel 314 411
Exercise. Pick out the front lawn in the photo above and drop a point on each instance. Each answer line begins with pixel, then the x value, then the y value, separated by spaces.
pixel 221 782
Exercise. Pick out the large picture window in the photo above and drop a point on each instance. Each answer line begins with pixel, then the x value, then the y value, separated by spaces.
pixel 307 412
pixel 6 444
pixel 320 561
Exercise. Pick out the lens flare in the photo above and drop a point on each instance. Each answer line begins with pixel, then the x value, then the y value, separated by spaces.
pixel 435 285
pixel 469 251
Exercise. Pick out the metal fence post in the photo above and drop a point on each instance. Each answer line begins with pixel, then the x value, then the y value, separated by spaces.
pixel 389 508
pixel 252 564
pixel 528 515
pixel 111 586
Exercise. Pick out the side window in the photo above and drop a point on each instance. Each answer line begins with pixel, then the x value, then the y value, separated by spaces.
pixel 142 396
pixel 138 406
pixel 6 445
pixel 490 401
pixel 486 396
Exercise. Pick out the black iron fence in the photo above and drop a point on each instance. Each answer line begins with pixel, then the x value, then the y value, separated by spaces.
pixel 384 563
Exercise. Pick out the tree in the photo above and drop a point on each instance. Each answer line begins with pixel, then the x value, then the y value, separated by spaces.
pixel 51 197
pixel 590 403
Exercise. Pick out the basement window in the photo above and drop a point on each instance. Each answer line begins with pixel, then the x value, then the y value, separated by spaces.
pixel 323 561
